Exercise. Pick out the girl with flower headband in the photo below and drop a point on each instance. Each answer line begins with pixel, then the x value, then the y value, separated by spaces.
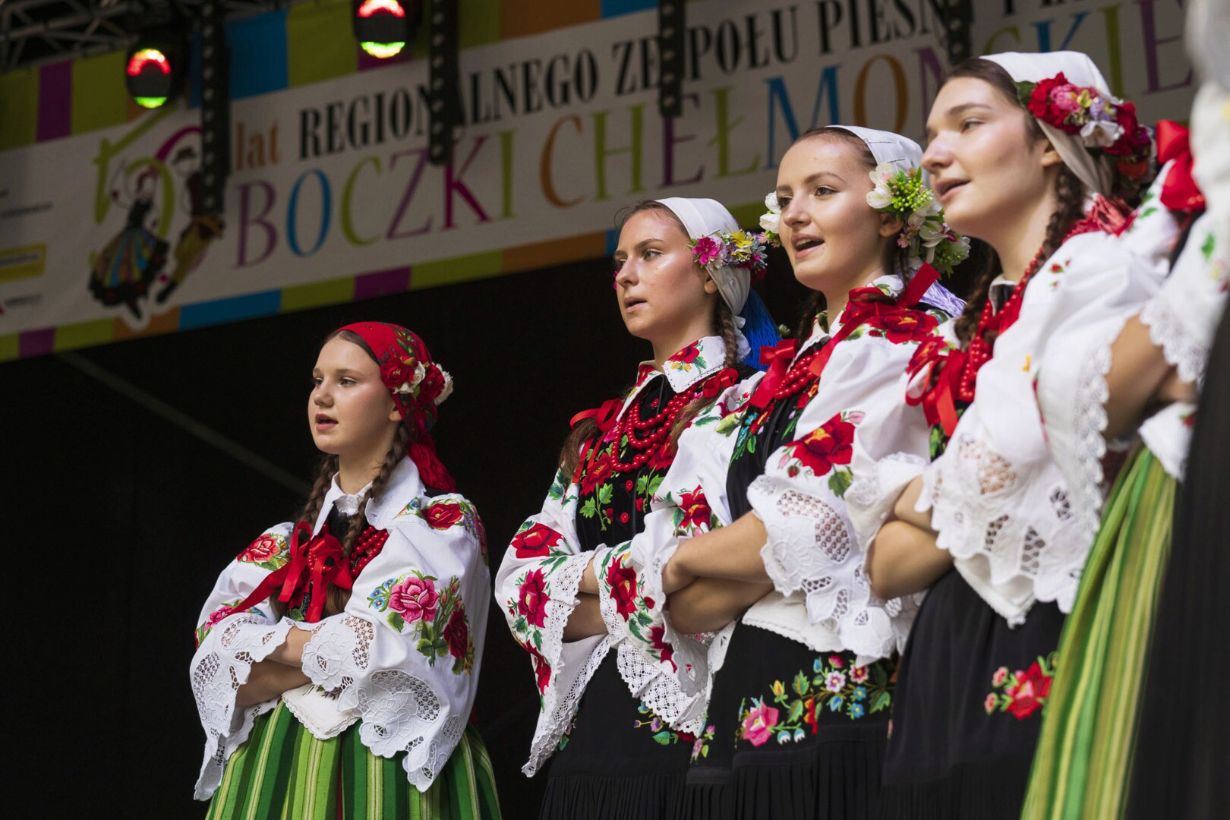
pixel 1030 153
pixel 682 279
pixel 788 699
pixel 338 655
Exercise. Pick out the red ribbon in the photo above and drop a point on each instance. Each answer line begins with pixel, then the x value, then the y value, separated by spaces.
pixel 778 358
pixel 867 306
pixel 314 564
pixel 719 381
pixel 944 368
pixel 1180 191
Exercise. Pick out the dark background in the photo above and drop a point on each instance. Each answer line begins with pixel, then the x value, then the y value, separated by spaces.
pixel 120 521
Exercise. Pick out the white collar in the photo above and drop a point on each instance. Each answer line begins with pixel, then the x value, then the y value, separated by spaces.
pixel 403 485
pixel 701 358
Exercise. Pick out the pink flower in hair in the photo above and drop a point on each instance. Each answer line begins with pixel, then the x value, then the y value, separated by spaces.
pixel 706 250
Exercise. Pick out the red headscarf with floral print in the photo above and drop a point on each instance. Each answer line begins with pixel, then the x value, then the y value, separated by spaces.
pixel 418 385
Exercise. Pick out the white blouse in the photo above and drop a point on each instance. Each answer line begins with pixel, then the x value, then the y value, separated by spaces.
pixel 402 659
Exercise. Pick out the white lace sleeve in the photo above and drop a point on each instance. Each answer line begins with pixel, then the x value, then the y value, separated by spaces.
pixel 666 670
pixel 812 547
pixel 1018 523
pixel 404 655
pixel 536 589
pixel 227 646
pixel 1184 314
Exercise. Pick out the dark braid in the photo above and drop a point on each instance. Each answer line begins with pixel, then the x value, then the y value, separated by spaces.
pixel 316 498
pixel 337 598
pixel 724 318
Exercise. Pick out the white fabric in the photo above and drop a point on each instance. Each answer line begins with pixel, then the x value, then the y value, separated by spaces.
pixel 821 598
pixel 372 669
pixel 1000 503
pixel 887 147
pixel 705 217
pixel 1097 174
pixel 566 667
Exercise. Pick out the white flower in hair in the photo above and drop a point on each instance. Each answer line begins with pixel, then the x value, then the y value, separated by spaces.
pixel 880 196
pixel 447 389
pixel 1101 133
pixel 771 221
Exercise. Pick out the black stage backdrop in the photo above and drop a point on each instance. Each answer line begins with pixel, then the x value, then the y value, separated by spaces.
pixel 120 520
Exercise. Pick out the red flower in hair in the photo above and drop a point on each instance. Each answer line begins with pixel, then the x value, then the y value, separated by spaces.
pixel 396 371
pixel 536 541
pixel 1048 106
pixel 432 384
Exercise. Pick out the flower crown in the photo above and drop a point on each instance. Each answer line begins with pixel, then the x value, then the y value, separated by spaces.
pixel 410 380
pixel 904 195
pixel 731 249
pixel 1105 124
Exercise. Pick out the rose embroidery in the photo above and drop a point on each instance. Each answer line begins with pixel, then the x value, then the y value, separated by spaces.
pixel 442 515
pixel 457 634
pixel 414 599
pixel 694 511
pixel 1021 693
pixel 664 651
pixel 532 598
pixel 535 542
pixel 622 581
pixel 830 444
pixel 758 723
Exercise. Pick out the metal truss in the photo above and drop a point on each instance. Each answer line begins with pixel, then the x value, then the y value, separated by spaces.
pixel 40 31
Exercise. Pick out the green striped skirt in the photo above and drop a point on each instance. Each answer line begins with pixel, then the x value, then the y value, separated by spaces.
pixel 1084 754
pixel 282 771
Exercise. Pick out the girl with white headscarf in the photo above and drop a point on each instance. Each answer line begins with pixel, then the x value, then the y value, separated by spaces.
pixel 683 274
pixel 788 690
pixel 1032 154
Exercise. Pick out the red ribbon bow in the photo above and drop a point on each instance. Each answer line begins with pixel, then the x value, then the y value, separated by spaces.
pixel 315 563
pixel 719 381
pixel 943 367
pixel 778 358
pixel 1180 191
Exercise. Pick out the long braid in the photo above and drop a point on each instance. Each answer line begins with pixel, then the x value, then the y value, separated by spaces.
pixel 724 318
pixel 337 598
pixel 325 471
pixel 1070 193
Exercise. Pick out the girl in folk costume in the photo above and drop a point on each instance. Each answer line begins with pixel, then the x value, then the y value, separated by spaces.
pixel 791 697
pixel 1122 343
pixel 683 273
pixel 338 655
pixel 1026 152
pixel 1181 753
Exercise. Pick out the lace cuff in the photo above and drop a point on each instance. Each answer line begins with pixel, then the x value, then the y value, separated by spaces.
pixel 562 669
pixel 221 665
pixel 874 493
pixel 809 546
pixel 1183 316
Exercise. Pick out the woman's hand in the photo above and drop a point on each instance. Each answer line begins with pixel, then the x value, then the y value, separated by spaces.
pixel 268 680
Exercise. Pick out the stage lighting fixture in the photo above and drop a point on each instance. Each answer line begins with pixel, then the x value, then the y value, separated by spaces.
pixel 152 74
pixel 384 27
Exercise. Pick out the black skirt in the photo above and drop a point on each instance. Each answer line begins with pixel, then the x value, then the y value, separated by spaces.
pixel 619 761
pixel 968 707
pixel 791 733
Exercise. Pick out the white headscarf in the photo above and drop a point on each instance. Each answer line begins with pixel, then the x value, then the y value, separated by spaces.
pixel 886 146
pixel 1097 174
pixel 705 217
